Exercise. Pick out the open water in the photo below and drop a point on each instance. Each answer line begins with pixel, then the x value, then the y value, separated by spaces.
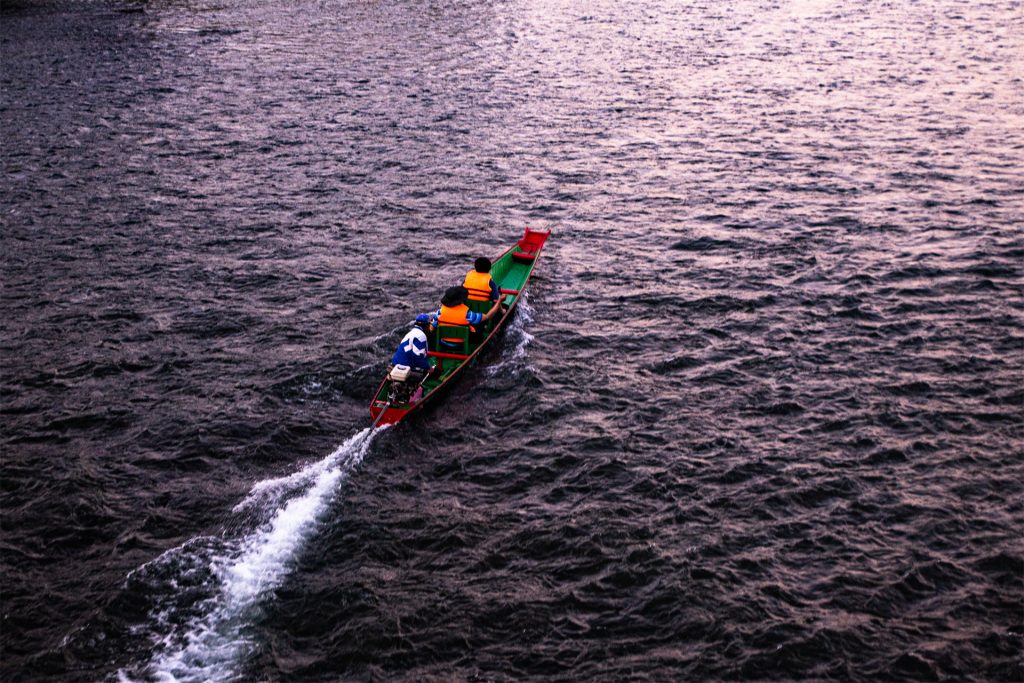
pixel 760 418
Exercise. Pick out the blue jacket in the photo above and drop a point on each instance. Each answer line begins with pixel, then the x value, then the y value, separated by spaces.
pixel 412 350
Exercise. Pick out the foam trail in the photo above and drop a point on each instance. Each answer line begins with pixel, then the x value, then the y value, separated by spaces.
pixel 278 486
pixel 518 335
pixel 209 645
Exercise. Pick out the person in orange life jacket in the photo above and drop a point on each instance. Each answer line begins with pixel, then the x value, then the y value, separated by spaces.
pixel 454 311
pixel 479 283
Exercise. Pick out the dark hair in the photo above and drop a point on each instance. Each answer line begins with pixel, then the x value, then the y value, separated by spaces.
pixel 453 296
pixel 482 265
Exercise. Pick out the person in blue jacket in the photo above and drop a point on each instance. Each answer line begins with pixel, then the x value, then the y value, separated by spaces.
pixel 412 353
pixel 412 350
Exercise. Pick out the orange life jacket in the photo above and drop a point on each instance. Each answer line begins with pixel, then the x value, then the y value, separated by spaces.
pixel 479 285
pixel 453 315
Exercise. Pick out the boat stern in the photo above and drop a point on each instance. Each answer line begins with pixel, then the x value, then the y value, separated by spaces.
pixel 384 414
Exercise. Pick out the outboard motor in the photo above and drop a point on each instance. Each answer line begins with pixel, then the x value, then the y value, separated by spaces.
pixel 404 382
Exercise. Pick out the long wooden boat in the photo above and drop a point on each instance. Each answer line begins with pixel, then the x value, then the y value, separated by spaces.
pixel 394 402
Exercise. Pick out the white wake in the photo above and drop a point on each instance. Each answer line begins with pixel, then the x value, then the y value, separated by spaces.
pixel 518 339
pixel 238 573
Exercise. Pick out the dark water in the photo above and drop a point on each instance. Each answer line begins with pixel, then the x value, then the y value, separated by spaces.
pixel 762 417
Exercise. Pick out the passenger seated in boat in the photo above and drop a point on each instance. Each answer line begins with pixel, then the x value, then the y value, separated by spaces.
pixel 412 350
pixel 454 311
pixel 479 283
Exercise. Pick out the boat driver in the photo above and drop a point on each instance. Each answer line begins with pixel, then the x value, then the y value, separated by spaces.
pixel 412 350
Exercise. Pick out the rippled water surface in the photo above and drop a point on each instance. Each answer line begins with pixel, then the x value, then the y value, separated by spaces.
pixel 760 417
